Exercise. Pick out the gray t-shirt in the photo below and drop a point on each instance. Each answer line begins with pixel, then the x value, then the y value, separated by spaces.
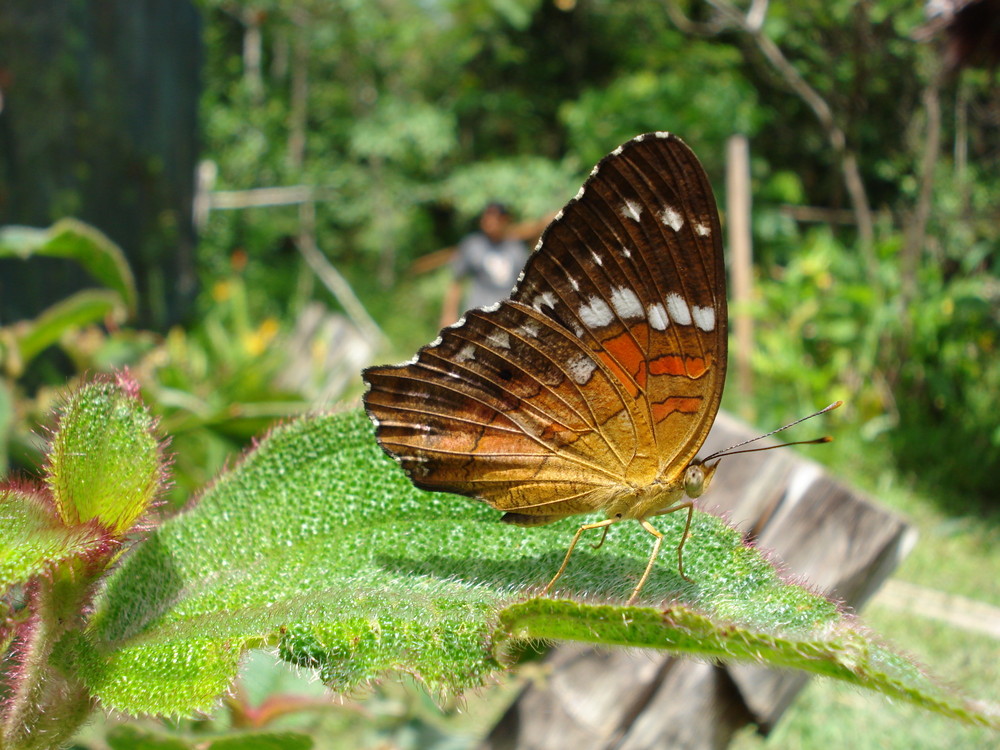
pixel 492 268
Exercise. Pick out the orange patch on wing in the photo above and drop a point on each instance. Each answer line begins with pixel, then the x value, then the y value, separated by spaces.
pixel 628 354
pixel 678 364
pixel 697 366
pixel 668 364
pixel 674 404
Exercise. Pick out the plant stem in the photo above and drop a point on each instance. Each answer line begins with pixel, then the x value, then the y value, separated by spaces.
pixel 45 707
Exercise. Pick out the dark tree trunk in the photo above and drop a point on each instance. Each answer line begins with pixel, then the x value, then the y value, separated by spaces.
pixel 99 121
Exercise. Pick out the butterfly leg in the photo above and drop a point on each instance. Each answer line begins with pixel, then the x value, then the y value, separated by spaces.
pixel 604 535
pixel 652 559
pixel 572 545
pixel 656 549
pixel 684 536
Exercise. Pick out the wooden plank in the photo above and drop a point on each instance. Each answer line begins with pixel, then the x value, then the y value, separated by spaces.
pixel 843 545
pixel 666 722
pixel 621 698
pixel 738 228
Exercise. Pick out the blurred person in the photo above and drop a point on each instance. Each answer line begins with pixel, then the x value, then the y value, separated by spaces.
pixel 487 262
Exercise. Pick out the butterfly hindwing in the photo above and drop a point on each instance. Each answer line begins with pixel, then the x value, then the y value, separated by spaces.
pixel 503 407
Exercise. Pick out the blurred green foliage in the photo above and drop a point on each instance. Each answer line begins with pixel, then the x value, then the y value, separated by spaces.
pixel 23 342
pixel 213 386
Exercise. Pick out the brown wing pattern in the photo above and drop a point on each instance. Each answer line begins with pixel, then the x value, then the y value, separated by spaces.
pixel 602 373
pixel 509 407
pixel 634 266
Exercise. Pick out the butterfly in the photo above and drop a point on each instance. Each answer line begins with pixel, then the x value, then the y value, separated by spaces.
pixel 593 387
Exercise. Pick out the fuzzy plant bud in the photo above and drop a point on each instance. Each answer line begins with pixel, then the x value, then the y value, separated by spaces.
pixel 105 462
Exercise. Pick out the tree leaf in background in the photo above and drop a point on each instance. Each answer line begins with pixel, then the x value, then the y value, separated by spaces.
pixel 74 240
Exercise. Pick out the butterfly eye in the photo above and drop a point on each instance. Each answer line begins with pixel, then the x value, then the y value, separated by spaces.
pixel 694 480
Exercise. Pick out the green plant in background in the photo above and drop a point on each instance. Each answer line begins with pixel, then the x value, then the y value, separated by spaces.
pixel 471 102
pixel 61 324
pixel 215 385
pixel 921 379
pixel 317 546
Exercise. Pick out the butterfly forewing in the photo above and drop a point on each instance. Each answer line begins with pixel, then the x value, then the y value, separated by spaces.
pixel 603 372
pixel 634 266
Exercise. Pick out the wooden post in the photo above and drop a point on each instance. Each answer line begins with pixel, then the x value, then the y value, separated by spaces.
pixel 741 263
pixel 332 278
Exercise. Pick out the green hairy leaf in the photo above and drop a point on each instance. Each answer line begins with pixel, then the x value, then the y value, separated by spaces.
pixel 34 541
pixel 104 462
pixel 317 545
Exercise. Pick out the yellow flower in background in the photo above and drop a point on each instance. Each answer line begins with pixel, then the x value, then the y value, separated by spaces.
pixel 221 291
pixel 256 343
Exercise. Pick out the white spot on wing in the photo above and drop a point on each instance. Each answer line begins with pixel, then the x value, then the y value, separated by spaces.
pixel 618 151
pixel 574 283
pixel 499 339
pixel 658 317
pixel 626 303
pixel 466 353
pixel 672 218
pixel 530 329
pixel 579 194
pixel 596 313
pixel 626 252
pixel 631 210
pixel 702 230
pixel 581 368
pixel 597 258
pixel 679 312
pixel 704 317
pixel 544 299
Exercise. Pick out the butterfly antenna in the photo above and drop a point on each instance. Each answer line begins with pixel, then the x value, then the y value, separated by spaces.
pixel 731 452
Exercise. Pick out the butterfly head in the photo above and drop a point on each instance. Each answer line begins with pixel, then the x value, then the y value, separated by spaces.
pixel 697 478
pixel 699 473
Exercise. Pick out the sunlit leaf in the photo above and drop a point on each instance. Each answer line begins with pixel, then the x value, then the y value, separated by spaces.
pixel 317 544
